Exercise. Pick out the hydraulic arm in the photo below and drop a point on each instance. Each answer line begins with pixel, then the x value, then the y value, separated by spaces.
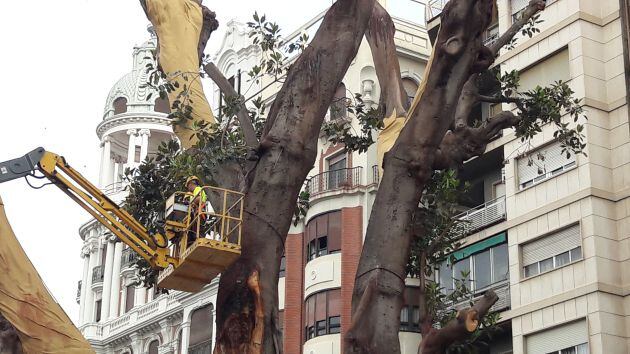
pixel 153 248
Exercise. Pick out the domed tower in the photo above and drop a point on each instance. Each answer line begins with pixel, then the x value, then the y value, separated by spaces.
pixel 134 121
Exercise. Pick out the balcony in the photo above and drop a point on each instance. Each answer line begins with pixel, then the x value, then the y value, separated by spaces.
pixel 345 178
pixel 483 215
pixel 201 348
pixel 98 274
pixel 113 188
pixel 79 291
pixel 502 290
pixel 129 257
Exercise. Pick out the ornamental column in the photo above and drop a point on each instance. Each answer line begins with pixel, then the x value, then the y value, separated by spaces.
pixel 141 295
pixel 88 313
pixel 185 337
pixel 107 276
pixel 145 134
pixel 131 151
pixel 107 176
pixel 85 254
pixel 114 304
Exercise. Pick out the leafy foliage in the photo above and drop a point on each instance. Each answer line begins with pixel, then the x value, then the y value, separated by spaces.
pixel 342 131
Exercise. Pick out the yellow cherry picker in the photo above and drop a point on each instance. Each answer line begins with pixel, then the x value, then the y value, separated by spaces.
pixel 199 242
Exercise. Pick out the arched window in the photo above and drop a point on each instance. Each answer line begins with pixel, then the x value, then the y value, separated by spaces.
pixel 153 347
pixel 323 235
pixel 120 105
pixel 201 330
pixel 411 87
pixel 338 108
pixel 162 105
pixel 322 314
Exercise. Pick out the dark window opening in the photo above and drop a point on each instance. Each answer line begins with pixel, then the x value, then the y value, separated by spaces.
pixel 323 236
pixel 322 314
pixel 120 105
pixel 162 105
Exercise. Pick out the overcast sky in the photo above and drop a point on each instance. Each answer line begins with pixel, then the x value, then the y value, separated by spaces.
pixel 59 60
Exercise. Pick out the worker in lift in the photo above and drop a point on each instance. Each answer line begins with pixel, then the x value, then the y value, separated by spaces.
pixel 197 205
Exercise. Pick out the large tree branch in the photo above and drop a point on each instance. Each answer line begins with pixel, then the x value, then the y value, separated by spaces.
pixel 532 8
pixel 242 115
pixel 463 143
pixel 380 36
pixel 470 97
pixel 459 328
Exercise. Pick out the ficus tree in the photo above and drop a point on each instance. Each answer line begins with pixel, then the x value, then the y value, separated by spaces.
pixel 267 156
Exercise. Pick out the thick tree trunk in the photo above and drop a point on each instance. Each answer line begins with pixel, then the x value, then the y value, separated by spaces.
pixel 247 309
pixel 9 340
pixel 407 168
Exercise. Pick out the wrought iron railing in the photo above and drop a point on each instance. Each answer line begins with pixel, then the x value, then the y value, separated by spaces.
pixel 335 179
pixel 129 257
pixel 79 291
pixel 98 274
pixel 483 215
pixel 201 348
pixel 491 35
pixel 113 188
pixel 376 175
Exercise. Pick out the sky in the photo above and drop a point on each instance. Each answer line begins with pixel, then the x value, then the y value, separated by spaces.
pixel 59 60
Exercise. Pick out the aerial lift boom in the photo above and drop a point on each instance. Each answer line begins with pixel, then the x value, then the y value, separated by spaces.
pixel 184 266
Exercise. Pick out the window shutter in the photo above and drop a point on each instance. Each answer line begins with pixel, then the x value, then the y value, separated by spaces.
pixel 557 338
pixel 553 159
pixel 554 244
pixel 334 231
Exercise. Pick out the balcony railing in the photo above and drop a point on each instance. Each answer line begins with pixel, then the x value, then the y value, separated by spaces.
pixel 201 348
pixel 376 175
pixel 129 257
pixel 113 188
pixel 491 35
pixel 502 290
pixel 335 179
pixel 79 291
pixel 483 215
pixel 98 274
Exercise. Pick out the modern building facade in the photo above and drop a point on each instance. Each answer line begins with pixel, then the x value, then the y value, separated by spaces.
pixel 559 227
pixel 552 238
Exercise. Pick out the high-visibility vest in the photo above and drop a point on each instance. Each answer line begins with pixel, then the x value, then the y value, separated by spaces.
pixel 202 194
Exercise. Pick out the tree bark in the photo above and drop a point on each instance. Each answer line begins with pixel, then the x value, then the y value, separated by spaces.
pixel 436 341
pixel 9 340
pixel 287 152
pixel 407 168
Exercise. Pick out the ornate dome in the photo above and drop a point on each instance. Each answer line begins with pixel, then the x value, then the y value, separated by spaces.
pixel 129 94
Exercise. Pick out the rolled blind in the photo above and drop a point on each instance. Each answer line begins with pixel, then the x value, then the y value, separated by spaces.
pixel 557 338
pixel 546 72
pixel 552 245
pixel 553 159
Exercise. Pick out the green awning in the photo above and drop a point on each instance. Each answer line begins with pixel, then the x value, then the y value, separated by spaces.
pixel 479 246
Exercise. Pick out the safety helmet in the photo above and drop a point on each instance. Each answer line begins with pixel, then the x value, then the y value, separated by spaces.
pixel 193 178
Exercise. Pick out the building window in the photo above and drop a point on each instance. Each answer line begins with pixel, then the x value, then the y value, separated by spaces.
pixel 131 293
pixel 153 347
pixel 552 251
pixel 338 174
pixel 339 106
pixel 533 170
pixel 162 106
pixel 323 235
pixel 322 314
pixel 201 331
pixel 571 338
pixel 99 307
pixel 408 10
pixel 120 105
pixel 548 71
pixel 485 263
pixel 283 267
pixel 411 88
pixel 410 312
